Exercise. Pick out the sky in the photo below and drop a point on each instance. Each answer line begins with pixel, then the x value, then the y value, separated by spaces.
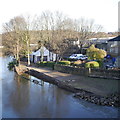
pixel 104 12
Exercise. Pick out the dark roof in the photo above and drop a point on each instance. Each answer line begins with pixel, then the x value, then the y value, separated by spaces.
pixel 115 39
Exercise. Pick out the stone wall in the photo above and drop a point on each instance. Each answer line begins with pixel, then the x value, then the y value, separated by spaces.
pixel 104 73
pixel 101 73
pixel 20 69
pixel 71 70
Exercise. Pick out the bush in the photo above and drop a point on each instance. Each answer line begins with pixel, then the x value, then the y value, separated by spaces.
pixel 95 53
pixel 64 62
pixel 100 63
pixel 50 64
pixel 12 64
pixel 92 64
pixel 78 62
pixel 70 59
pixel 46 64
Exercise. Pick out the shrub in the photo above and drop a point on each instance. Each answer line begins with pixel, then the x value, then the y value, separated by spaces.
pixel 100 63
pixel 92 64
pixel 78 62
pixel 95 53
pixel 70 59
pixel 12 64
pixel 64 62
pixel 46 64
pixel 50 64
pixel 72 63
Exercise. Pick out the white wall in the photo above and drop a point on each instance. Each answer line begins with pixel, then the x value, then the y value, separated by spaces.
pixel 46 53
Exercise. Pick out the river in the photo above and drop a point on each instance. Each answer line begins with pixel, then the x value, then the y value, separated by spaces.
pixel 24 99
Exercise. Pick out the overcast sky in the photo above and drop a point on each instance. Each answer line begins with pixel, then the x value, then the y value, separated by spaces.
pixel 104 12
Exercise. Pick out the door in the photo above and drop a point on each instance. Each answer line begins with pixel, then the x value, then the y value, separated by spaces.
pixel 33 58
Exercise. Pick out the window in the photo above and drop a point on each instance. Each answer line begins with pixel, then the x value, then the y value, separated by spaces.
pixel 38 58
pixel 45 58
pixel 114 44
pixel 111 50
pixel 116 49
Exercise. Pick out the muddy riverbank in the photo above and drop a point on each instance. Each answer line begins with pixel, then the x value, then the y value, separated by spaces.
pixel 111 99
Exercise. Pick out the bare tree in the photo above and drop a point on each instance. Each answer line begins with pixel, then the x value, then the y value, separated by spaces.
pixel 29 33
pixel 13 31
pixel 18 35
pixel 61 28
pixel 85 30
pixel 42 32
pixel 55 31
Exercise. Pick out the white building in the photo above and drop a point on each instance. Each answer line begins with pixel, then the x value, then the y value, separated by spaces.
pixel 48 56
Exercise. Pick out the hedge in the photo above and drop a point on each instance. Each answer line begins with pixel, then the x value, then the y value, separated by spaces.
pixel 46 64
pixel 50 64
pixel 78 62
pixel 92 64
pixel 64 62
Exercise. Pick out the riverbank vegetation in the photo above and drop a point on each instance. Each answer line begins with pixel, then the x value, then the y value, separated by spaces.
pixel 12 64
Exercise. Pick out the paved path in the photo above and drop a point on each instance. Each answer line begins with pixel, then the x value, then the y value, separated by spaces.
pixel 95 85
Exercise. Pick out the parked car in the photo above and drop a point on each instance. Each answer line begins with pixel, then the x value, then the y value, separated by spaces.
pixel 83 57
pixel 78 57
pixel 110 66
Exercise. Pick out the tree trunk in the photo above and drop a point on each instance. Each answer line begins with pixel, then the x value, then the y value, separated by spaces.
pixel 56 58
pixel 28 50
pixel 17 51
pixel 42 53
pixel 81 47
pixel 49 56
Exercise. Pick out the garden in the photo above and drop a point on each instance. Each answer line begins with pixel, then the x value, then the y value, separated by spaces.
pixel 95 60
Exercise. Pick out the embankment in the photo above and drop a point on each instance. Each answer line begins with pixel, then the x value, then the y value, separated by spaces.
pixel 49 76
pixel 98 73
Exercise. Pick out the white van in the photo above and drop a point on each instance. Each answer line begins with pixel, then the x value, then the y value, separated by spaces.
pixel 78 57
